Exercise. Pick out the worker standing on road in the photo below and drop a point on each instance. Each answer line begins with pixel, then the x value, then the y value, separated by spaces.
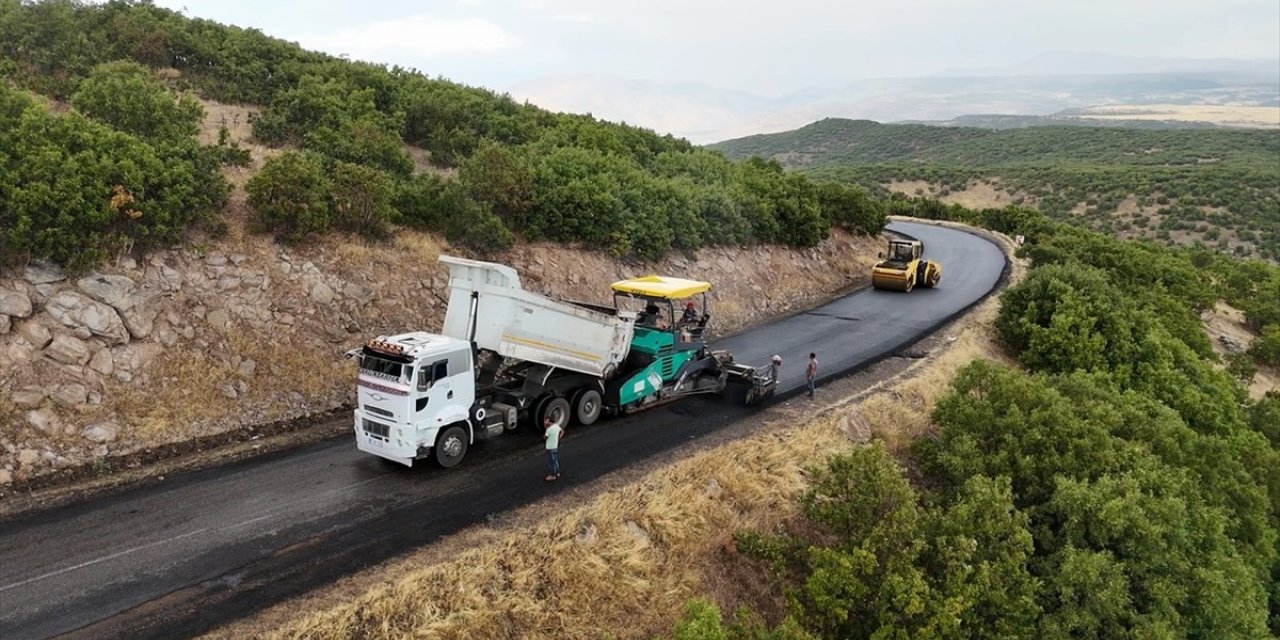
pixel 811 372
pixel 551 433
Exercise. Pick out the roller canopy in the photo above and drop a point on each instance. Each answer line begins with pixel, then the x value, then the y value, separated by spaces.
pixel 661 287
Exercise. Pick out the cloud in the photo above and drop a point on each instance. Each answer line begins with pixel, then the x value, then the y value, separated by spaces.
pixel 420 36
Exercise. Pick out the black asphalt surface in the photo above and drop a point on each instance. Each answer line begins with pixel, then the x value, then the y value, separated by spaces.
pixel 181 557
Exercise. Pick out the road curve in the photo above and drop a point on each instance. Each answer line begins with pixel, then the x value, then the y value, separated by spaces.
pixel 199 549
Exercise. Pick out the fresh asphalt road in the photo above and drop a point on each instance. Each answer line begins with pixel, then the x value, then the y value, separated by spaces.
pixel 182 556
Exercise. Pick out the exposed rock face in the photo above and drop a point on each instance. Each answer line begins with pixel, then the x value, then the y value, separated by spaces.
pixel 15 303
pixel 77 311
pixel 68 350
pixel 43 273
pixel 101 432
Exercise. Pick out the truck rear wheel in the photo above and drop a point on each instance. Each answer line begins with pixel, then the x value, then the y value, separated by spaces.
pixel 451 447
pixel 586 406
pixel 555 408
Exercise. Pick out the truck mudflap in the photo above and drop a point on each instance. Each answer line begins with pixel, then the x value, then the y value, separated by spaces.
pixel 750 385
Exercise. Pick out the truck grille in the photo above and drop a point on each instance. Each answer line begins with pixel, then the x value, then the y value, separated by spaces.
pixel 381 412
pixel 377 429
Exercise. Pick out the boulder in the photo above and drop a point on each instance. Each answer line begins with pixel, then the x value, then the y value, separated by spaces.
pixel 247 367
pixel 5 324
pixel 322 293
pixel 102 362
pixel 117 291
pixel 15 303
pixel 6 477
pixel 123 295
pixel 78 311
pixel 43 273
pixel 101 432
pixel 45 421
pixel 215 259
pixel 68 350
pixel 35 332
pixel 28 457
pixel 218 318
pixel 28 398
pixel 71 395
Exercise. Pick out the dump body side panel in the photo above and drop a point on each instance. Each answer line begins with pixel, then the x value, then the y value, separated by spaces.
pixel 524 325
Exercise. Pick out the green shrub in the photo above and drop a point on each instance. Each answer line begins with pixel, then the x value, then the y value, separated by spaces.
pixel 362 199
pixel 75 191
pixel 127 96
pixel 1266 348
pixel 290 197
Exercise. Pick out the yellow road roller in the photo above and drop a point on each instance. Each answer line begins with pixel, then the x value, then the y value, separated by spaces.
pixel 903 269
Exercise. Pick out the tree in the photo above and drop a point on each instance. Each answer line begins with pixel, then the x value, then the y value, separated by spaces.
pixel 291 197
pixel 127 96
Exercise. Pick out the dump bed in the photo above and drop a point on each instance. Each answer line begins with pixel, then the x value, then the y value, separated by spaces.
pixel 527 326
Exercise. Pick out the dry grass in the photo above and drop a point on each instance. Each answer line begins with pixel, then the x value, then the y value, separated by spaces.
pixel 1230 115
pixel 624 564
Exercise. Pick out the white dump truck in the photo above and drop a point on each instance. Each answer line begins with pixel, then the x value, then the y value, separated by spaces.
pixel 508 356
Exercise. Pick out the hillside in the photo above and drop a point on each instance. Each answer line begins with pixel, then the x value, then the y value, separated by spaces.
pixel 363 149
pixel 1219 187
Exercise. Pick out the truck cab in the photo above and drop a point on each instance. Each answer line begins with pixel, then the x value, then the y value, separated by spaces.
pixel 415 393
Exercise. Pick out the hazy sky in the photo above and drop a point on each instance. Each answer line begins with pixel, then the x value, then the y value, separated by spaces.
pixel 757 47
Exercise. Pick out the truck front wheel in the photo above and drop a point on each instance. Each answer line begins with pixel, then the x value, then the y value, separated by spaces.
pixel 451 446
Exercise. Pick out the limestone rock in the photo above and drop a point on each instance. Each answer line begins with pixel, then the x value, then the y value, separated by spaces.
pixel 68 350
pixel 71 395
pixel 20 351
pixel 5 324
pixel 45 421
pixel 117 291
pixel 6 477
pixel 102 362
pixel 215 259
pixel 218 318
pixel 322 293
pixel 229 390
pixel 28 457
pixel 78 311
pixel 247 367
pixel 43 273
pixel 35 332
pixel 139 320
pixel 28 398
pixel 101 432
pixel 15 303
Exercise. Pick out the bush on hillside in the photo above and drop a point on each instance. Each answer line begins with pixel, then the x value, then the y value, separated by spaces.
pixel 290 197
pixel 127 96
pixel 76 191
pixel 362 200
pixel 1266 348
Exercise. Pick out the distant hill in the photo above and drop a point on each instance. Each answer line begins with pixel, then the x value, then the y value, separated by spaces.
pixel 706 114
pixel 1216 186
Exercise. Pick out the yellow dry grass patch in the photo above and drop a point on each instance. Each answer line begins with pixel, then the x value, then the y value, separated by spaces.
pixel 624 564
pixel 188 390
pixel 1223 114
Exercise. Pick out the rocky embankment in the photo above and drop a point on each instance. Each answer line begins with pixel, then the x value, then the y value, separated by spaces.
pixel 197 341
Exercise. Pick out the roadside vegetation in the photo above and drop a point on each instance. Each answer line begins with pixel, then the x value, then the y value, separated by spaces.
pixel 1117 484
pixel 1217 188
pixel 497 169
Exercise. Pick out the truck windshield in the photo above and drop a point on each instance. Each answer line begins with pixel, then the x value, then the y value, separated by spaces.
pixel 381 368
